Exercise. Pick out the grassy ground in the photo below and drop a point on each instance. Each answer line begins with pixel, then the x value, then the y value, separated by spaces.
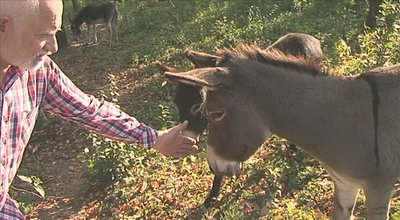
pixel 277 182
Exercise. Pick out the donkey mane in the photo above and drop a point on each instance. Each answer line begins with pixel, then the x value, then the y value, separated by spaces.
pixel 273 57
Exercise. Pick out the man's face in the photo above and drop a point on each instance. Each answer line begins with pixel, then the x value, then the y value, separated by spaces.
pixel 25 45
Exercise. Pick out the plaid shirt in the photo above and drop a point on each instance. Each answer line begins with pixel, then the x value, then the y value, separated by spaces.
pixel 48 88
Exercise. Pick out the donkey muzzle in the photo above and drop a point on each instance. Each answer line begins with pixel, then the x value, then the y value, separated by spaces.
pixel 228 170
pixel 221 166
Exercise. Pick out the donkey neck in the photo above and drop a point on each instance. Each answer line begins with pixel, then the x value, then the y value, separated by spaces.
pixel 316 112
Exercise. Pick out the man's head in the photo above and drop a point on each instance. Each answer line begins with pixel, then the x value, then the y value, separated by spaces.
pixel 27 31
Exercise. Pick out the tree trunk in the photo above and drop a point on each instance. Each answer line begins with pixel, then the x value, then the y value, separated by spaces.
pixel 374 6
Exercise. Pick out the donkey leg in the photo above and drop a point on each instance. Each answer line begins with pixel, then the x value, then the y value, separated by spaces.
pixel 115 32
pixel 110 30
pixel 91 33
pixel 95 33
pixel 111 36
pixel 114 27
pixel 345 198
pixel 378 202
pixel 214 192
pixel 88 33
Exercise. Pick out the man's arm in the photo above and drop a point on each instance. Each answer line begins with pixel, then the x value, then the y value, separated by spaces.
pixel 64 99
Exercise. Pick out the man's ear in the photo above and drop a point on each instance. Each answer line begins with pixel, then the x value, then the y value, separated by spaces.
pixel 4 26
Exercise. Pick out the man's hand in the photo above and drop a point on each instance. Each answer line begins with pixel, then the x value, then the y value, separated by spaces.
pixel 173 144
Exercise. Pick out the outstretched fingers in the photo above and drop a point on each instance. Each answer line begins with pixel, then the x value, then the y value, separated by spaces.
pixel 187 147
pixel 174 144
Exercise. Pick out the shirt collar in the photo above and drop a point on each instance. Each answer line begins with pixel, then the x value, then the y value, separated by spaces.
pixel 15 70
pixel 12 74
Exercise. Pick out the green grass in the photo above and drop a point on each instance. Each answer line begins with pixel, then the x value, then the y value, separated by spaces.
pixel 277 183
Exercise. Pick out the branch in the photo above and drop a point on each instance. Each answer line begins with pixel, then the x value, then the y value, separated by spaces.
pixel 26 191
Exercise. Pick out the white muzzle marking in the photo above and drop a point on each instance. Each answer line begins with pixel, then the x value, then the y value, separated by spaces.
pixel 221 166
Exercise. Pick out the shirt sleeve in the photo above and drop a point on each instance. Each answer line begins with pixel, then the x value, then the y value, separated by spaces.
pixel 64 99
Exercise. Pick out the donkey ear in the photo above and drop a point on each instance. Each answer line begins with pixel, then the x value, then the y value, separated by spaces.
pixel 200 59
pixel 208 77
pixel 165 68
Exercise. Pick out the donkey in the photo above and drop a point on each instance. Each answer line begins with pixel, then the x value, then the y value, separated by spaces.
pixel 350 124
pixel 299 44
pixel 188 98
pixel 106 13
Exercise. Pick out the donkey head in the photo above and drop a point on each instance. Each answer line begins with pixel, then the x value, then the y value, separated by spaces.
pixel 189 98
pixel 235 132
pixel 234 129
pixel 75 27
pixel 76 30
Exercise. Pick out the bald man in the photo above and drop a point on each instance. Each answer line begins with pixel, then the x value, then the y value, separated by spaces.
pixel 30 80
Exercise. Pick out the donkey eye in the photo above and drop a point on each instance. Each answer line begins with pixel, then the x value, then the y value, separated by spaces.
pixel 195 109
pixel 216 116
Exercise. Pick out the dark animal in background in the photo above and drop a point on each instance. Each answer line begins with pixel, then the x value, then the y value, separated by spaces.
pixel 298 44
pixel 62 39
pixel 105 13
pixel 338 120
pixel 189 98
